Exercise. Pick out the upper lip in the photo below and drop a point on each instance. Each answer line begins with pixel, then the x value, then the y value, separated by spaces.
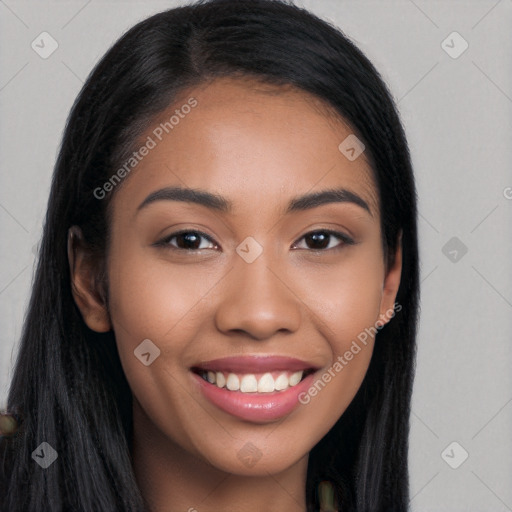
pixel 255 364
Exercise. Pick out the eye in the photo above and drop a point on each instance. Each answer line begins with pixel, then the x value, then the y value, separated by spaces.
pixel 186 240
pixel 321 239
pixel 190 240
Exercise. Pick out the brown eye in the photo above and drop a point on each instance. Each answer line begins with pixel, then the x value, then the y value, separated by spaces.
pixel 322 240
pixel 187 241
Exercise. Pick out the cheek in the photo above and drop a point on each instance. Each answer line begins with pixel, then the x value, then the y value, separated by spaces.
pixel 346 304
pixel 156 302
pixel 152 300
pixel 147 300
pixel 345 298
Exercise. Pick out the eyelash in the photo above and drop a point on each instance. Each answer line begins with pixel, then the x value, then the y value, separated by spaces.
pixel 346 240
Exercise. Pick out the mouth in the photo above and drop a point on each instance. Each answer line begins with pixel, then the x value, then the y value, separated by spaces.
pixel 254 374
pixel 256 389
pixel 254 382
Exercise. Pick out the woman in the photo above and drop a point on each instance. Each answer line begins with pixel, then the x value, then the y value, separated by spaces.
pixel 225 305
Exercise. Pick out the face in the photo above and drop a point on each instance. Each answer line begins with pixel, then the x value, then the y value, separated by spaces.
pixel 250 285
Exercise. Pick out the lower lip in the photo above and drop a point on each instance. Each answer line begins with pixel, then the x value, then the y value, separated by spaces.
pixel 255 407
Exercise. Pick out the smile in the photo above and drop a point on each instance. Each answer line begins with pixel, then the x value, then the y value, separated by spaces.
pixel 255 383
pixel 254 388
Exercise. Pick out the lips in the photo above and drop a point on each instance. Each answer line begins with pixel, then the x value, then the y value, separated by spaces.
pixel 255 364
pixel 254 388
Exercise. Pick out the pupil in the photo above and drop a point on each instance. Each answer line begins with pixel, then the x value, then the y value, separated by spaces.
pixel 322 237
pixel 188 237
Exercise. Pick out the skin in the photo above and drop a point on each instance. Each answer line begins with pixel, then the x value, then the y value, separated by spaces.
pixel 259 147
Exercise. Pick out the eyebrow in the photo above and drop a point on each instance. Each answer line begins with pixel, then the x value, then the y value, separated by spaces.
pixel 221 204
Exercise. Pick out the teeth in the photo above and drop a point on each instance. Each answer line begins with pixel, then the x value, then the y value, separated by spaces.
pixel 233 382
pixel 266 383
pixel 281 382
pixel 249 383
pixel 295 378
pixel 220 379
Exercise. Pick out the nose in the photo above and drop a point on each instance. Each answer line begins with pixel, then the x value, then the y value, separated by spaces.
pixel 258 300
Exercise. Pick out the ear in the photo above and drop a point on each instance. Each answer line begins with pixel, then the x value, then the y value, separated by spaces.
pixel 391 285
pixel 86 286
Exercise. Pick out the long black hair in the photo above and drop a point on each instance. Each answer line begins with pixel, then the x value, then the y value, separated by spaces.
pixel 69 389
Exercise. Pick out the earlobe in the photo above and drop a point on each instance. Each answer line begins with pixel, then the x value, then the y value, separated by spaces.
pixel 391 285
pixel 85 286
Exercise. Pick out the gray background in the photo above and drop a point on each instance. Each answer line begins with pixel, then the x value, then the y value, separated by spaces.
pixel 457 115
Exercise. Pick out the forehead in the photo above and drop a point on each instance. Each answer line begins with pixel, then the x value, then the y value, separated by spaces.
pixel 254 143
